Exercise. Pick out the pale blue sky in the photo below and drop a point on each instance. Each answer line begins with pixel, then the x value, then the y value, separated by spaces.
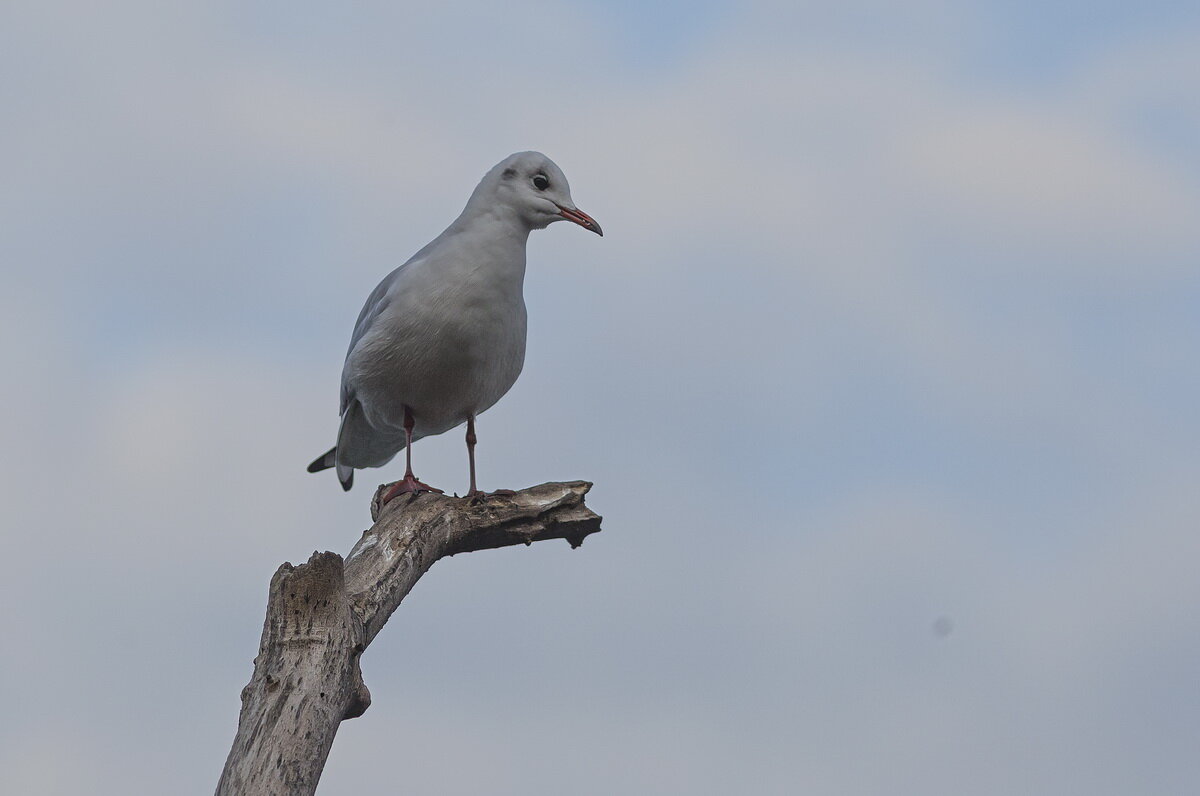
pixel 895 318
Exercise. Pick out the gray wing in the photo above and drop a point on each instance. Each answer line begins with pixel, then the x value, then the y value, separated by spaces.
pixel 376 303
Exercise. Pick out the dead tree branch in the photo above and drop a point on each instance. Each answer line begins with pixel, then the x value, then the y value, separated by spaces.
pixel 322 615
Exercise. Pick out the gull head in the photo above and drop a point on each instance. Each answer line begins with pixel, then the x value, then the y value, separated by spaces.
pixel 532 187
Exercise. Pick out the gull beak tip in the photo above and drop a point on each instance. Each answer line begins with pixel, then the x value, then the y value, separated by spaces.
pixel 581 218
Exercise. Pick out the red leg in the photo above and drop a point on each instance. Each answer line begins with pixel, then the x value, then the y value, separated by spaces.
pixel 410 482
pixel 474 491
pixel 471 454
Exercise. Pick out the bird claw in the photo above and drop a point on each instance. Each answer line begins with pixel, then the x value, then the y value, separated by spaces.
pixel 409 485
pixel 478 495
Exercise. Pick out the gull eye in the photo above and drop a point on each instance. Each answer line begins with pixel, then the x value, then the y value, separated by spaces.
pixel 541 182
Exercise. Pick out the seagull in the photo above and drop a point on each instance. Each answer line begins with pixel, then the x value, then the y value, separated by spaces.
pixel 442 337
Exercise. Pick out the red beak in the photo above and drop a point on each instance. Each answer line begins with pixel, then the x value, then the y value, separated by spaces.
pixel 581 218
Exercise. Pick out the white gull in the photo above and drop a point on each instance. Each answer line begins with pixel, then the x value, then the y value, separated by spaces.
pixel 442 337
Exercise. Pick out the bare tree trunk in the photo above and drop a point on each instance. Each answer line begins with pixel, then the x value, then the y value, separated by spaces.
pixel 322 615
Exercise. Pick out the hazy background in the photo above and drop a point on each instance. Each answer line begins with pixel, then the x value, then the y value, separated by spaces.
pixel 885 370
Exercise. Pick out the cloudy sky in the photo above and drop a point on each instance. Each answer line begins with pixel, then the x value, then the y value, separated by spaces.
pixel 885 370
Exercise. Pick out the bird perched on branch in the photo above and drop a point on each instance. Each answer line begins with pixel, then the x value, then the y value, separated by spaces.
pixel 442 337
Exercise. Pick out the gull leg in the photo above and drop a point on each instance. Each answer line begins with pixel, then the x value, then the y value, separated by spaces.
pixel 410 482
pixel 474 492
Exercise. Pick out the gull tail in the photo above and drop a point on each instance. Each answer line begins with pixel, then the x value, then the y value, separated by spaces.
pixel 329 459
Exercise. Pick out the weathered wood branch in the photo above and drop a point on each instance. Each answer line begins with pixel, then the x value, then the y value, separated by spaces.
pixel 322 615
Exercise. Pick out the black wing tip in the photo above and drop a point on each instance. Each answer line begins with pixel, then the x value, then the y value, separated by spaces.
pixel 322 462
pixel 327 460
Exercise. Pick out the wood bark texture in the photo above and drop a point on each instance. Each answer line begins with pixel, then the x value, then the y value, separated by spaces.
pixel 321 615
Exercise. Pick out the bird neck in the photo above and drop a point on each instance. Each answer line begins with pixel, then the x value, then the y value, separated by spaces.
pixel 496 227
pixel 501 237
